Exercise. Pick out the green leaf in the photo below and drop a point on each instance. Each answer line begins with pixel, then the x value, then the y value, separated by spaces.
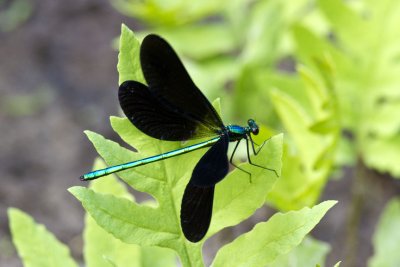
pixel 159 224
pixel 36 246
pixel 367 83
pixel 168 13
pixel 245 104
pixel 117 215
pixel 309 49
pixel 101 248
pixel 296 122
pixel 268 240
pixel 232 203
pixel 337 264
pixel 165 181
pixel 264 33
pixel 350 26
pixel 324 126
pixel 128 57
pixel 186 40
pixel 305 170
pixel 374 147
pixel 317 94
pixel 15 14
pixel 387 236
pixel 309 253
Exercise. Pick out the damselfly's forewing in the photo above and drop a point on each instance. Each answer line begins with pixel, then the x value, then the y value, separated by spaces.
pixel 172 108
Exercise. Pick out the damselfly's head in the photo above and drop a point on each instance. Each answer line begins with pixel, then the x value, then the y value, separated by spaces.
pixel 253 126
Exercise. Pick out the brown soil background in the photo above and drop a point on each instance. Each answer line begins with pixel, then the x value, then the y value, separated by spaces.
pixel 63 59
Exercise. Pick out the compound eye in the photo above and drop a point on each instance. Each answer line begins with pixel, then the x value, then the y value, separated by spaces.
pixel 255 131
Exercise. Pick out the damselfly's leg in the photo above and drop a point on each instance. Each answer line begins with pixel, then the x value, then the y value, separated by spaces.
pixel 248 155
pixel 258 150
pixel 233 164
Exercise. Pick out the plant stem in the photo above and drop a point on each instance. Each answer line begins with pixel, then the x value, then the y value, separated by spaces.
pixel 355 214
pixel 190 254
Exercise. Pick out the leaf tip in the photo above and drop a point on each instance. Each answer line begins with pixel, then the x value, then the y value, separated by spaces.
pixel 76 191
pixel 328 204
pixel 279 137
pixel 12 212
pixel 115 119
pixel 125 30
pixel 88 132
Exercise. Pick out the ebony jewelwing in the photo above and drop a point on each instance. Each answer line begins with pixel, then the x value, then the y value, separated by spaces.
pixel 171 108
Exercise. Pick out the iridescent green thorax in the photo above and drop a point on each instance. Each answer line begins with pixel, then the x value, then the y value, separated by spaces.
pixel 236 129
pixel 237 132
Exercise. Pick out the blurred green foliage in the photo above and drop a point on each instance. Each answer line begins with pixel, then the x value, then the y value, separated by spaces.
pixel 14 13
pixel 325 72
pixel 36 246
pixel 385 240
pixel 27 104
pixel 309 253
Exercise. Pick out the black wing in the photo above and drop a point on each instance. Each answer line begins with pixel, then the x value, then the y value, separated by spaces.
pixel 196 211
pixel 213 166
pixel 152 117
pixel 197 201
pixel 169 81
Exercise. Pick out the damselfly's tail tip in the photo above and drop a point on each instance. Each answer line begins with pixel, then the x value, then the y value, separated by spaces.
pixel 82 178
